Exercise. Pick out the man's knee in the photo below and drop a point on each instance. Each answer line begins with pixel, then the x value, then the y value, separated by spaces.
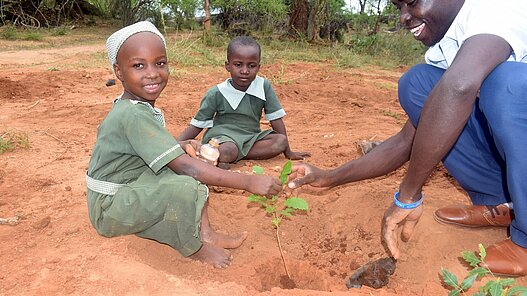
pixel 414 87
pixel 503 94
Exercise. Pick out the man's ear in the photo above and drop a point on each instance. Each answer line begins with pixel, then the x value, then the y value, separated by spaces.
pixel 117 71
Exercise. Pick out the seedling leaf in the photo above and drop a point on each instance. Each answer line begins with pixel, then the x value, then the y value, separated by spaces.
pixel 297 203
pixel 286 214
pixel 495 288
pixel 286 171
pixel 256 198
pixel 276 221
pixel 479 271
pixel 269 209
pixel 258 170
pixel 449 278
pixel 454 293
pixel 506 282
pixel 468 282
pixel 518 289
pixel 470 258
pixel 482 252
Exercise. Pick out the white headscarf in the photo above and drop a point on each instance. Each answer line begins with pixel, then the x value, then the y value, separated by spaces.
pixel 116 40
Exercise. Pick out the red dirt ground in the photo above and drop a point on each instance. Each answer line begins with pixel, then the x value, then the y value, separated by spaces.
pixel 54 250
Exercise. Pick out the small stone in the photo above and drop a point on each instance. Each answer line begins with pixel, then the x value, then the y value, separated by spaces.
pixel 42 223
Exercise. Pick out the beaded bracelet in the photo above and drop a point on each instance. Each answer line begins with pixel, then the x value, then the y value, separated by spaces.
pixel 405 205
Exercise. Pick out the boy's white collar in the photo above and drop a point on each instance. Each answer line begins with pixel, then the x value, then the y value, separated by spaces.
pixel 234 96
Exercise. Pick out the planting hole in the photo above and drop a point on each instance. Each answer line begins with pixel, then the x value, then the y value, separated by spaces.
pixel 303 276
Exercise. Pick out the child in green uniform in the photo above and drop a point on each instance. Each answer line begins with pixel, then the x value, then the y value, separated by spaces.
pixel 231 111
pixel 139 180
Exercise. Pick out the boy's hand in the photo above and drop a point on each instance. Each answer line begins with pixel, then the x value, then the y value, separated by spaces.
pixel 296 155
pixel 264 185
pixel 191 147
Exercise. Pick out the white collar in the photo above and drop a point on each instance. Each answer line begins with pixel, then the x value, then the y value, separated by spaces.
pixel 234 96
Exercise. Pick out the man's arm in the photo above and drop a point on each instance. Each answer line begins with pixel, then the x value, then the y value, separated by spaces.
pixel 385 158
pixel 448 108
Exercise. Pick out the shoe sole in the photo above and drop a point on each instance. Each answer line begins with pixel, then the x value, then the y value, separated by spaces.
pixel 446 222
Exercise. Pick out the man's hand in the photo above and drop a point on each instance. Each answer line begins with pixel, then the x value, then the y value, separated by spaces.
pixel 395 217
pixel 303 174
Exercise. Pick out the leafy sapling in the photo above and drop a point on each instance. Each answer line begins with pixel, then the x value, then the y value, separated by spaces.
pixel 276 208
pixel 494 287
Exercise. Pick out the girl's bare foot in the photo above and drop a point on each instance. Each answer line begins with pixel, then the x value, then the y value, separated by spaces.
pixel 215 256
pixel 223 240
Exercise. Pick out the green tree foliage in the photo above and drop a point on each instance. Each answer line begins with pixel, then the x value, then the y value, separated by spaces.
pixel 244 16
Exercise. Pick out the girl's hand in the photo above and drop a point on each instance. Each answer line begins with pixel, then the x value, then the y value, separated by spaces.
pixel 296 155
pixel 264 185
pixel 191 147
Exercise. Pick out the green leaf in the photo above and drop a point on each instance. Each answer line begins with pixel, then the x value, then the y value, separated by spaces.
pixel 286 171
pixel 454 293
pixel 274 198
pixel 482 252
pixel 479 271
pixel 297 203
pixel 258 170
pixel 286 213
pixel 495 288
pixel 270 209
pixel 506 282
pixel 449 278
pixel 468 282
pixel 289 210
pixel 471 258
pixel 276 221
pixel 518 289
pixel 257 198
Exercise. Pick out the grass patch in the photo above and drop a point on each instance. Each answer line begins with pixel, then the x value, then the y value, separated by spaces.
pixel 13 139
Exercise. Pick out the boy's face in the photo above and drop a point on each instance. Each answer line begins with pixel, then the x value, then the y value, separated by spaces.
pixel 243 63
pixel 142 66
pixel 428 20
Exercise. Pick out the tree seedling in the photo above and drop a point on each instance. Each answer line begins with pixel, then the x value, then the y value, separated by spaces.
pixel 494 287
pixel 279 208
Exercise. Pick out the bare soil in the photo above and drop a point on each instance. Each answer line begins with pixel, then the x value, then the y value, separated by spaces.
pixel 54 250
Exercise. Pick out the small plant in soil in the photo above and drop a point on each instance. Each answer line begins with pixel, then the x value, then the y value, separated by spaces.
pixel 279 207
pixel 494 287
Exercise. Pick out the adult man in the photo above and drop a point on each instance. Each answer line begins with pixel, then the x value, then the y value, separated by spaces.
pixel 474 120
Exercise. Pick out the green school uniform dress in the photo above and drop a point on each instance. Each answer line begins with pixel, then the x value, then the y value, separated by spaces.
pixel 130 188
pixel 232 115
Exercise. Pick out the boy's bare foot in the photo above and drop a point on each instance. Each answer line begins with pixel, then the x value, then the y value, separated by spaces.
pixel 223 240
pixel 215 256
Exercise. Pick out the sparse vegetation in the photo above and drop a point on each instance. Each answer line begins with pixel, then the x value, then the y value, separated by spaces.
pixel 494 287
pixel 13 139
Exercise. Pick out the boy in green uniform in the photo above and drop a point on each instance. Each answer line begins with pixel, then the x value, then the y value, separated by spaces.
pixel 139 180
pixel 231 111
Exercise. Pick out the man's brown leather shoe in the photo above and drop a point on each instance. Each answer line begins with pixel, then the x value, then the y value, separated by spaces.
pixel 506 259
pixel 475 216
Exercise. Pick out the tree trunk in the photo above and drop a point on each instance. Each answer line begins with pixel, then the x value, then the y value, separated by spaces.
pixel 206 21
pixel 362 4
pixel 298 17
